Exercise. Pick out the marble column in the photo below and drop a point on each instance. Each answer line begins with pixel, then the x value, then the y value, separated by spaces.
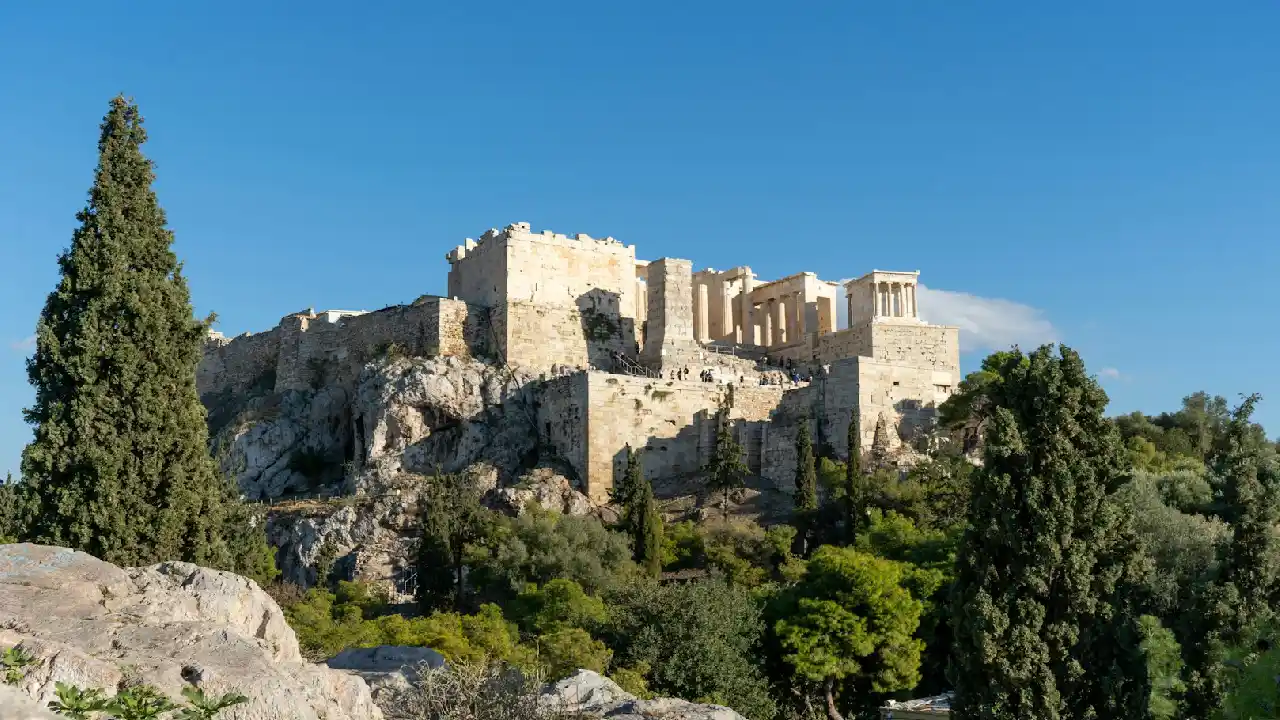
pixel 780 320
pixel 800 319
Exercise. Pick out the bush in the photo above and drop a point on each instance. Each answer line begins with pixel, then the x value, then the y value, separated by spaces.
pixel 540 546
pixel 700 640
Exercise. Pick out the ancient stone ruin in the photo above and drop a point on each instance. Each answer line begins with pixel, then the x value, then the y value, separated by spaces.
pixel 635 352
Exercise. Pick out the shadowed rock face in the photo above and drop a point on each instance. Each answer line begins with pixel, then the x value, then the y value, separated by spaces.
pixel 93 624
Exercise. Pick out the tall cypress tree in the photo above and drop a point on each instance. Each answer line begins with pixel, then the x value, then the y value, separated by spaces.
pixel 640 518
pixel 726 470
pixel 853 479
pixel 1043 609
pixel 120 465
pixel 648 531
pixel 806 497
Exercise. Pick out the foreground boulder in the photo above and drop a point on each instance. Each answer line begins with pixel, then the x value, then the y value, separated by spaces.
pixel 591 694
pixel 92 624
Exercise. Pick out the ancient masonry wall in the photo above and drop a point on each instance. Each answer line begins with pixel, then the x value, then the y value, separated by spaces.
pixel 540 336
pixel 563 421
pixel 907 397
pixel 669 327
pixel 556 300
pixel 591 417
pixel 306 351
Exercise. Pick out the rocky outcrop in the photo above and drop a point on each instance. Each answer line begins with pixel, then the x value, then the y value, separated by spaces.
pixel 402 420
pixel 17 705
pixel 93 624
pixel 593 695
pixel 389 670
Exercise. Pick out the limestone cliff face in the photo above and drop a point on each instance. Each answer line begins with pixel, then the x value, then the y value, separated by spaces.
pixel 368 445
pixel 95 625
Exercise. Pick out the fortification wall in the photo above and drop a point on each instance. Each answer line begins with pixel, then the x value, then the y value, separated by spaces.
pixel 538 336
pixel 671 423
pixel 478 271
pixel 305 351
pixel 562 420
pixel 916 344
pixel 232 366
pixel 907 397
pixel 518 265
pixel 852 342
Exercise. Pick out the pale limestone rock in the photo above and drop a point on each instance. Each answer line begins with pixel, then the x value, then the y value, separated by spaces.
pixel 594 695
pixel 548 488
pixel 93 624
pixel 17 705
pixel 388 669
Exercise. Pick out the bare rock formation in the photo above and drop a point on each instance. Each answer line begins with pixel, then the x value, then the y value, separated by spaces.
pixel 93 624
pixel 592 695
pixel 403 420
pixel 17 705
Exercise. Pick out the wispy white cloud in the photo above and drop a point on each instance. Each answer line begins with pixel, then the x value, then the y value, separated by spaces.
pixel 986 324
pixel 1110 373
pixel 23 345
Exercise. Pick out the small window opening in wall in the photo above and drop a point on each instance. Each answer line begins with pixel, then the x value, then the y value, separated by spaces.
pixel 895 383
pixel 548 426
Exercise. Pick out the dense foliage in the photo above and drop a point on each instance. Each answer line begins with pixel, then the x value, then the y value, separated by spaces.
pixel 1043 613
pixel 120 464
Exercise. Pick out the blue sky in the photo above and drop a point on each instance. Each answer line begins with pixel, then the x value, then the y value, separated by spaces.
pixel 1104 174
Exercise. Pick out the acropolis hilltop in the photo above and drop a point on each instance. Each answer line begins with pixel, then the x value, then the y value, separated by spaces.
pixel 639 353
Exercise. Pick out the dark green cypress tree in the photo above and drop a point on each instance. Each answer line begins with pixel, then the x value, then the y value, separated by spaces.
pixel 1043 608
pixel 120 465
pixel 853 479
pixel 648 536
pixel 726 470
pixel 627 492
pixel 806 496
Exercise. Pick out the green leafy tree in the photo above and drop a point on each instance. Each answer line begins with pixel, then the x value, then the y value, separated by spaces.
pixel 806 494
pixel 1164 666
pixel 699 640
pixel 1255 692
pixel 1043 608
pixel 726 470
pixel 971 403
pixel 120 464
pixel 850 626
pixel 1229 606
pixel 853 479
pixel 540 546
pixel 451 519
pixel 10 510
pixel 559 604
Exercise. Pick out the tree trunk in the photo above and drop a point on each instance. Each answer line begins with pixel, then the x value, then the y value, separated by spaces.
pixel 832 712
